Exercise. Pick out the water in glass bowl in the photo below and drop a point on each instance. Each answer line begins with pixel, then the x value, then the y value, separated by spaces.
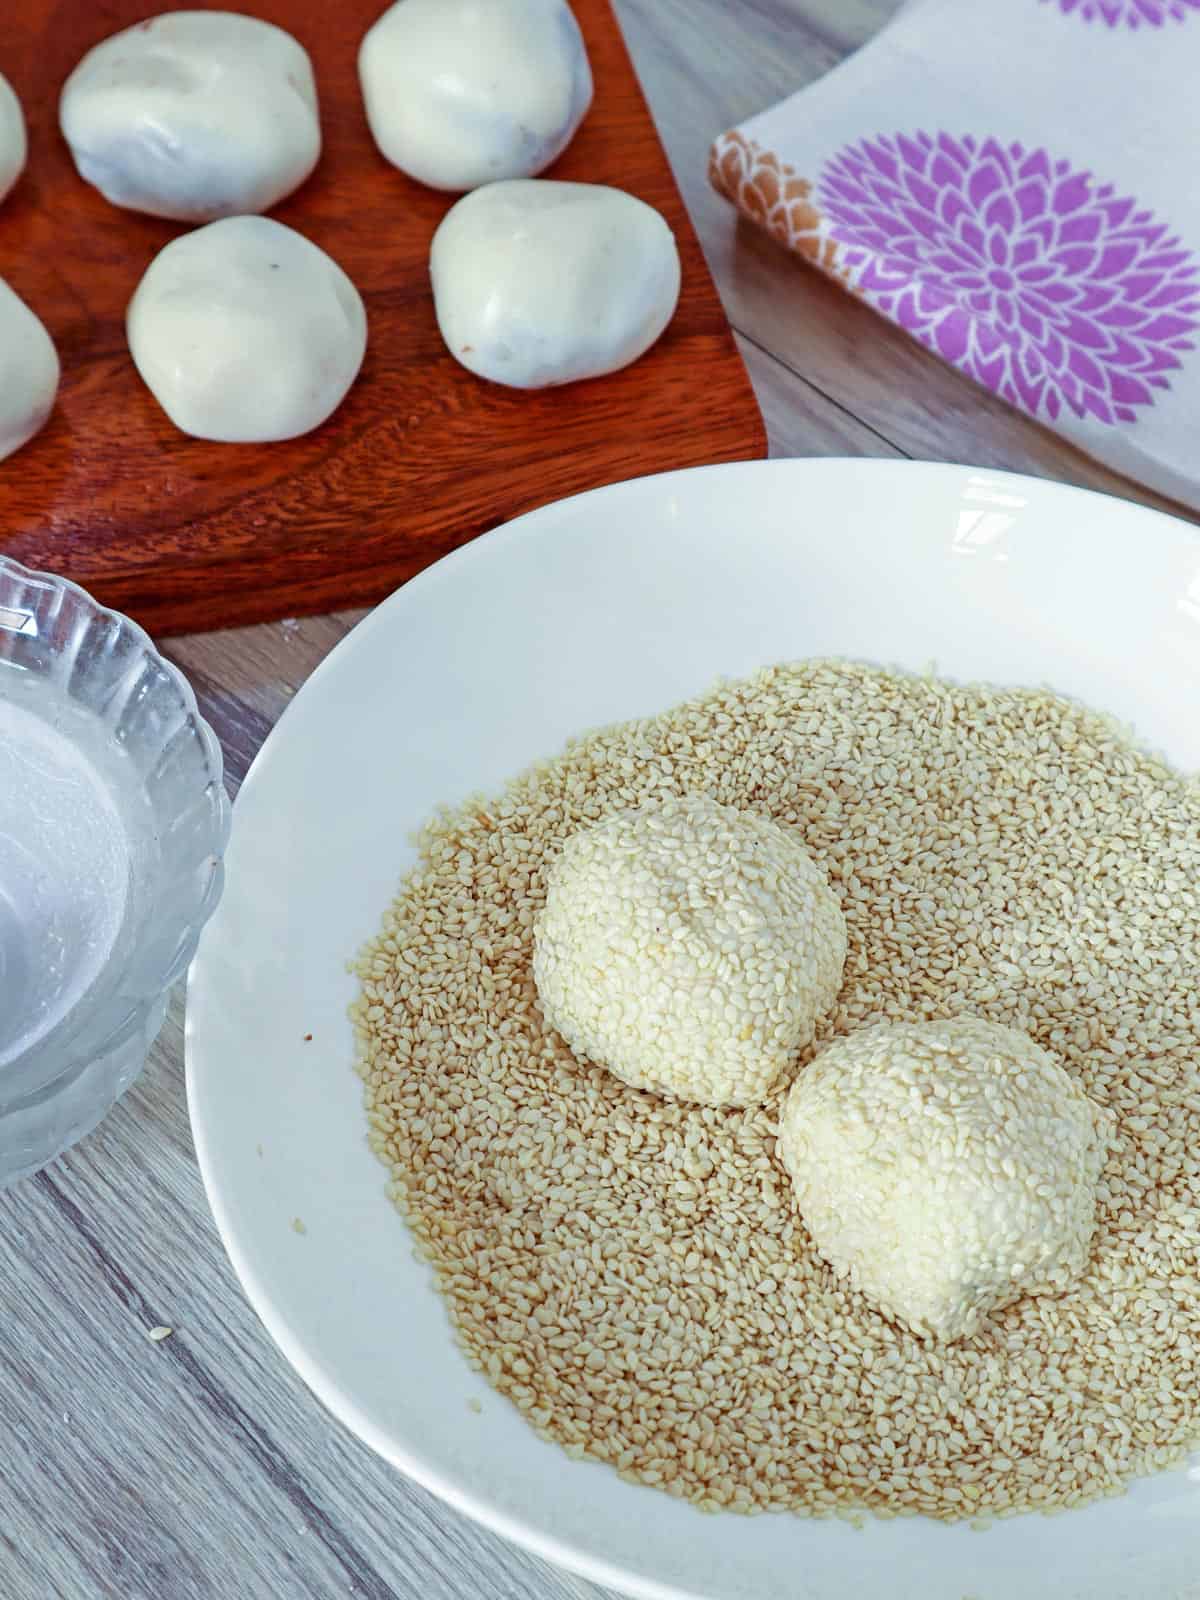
pixel 113 820
pixel 76 851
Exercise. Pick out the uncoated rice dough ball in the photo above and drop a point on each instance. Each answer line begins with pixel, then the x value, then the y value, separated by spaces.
pixel 537 283
pixel 946 1168
pixel 29 372
pixel 13 144
pixel 194 115
pixel 246 332
pixel 690 948
pixel 464 92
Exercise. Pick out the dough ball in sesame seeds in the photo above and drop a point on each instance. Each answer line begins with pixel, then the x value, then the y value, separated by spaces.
pixel 690 948
pixel 946 1168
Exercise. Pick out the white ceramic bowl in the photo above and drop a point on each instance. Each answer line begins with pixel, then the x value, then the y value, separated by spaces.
pixel 611 605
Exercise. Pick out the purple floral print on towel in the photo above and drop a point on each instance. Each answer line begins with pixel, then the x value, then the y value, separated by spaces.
pixel 1131 13
pixel 1040 282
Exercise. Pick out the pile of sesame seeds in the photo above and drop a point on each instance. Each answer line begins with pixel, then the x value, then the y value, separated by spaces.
pixel 630 1270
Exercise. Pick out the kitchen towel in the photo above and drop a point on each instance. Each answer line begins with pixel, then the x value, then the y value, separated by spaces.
pixel 1016 184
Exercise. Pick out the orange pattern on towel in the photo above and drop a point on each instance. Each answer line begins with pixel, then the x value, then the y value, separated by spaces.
pixel 771 193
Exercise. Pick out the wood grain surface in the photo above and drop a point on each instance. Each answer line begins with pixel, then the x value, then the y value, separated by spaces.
pixel 420 457
pixel 200 1468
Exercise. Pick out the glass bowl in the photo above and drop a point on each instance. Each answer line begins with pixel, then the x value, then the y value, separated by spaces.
pixel 113 823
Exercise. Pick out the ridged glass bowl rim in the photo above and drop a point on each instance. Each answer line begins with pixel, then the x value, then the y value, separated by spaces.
pixel 62 1070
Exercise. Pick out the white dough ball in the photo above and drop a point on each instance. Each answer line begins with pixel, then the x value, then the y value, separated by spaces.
pixel 690 948
pixel 29 372
pixel 464 92
pixel 194 115
pixel 13 144
pixel 946 1168
pixel 244 331
pixel 538 283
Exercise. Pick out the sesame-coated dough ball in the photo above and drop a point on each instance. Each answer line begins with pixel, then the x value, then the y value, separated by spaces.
pixel 690 948
pixel 946 1168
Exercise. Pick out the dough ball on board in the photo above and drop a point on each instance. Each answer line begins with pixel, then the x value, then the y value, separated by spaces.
pixel 538 283
pixel 464 92
pixel 194 115
pixel 29 372
pixel 245 331
pixel 13 145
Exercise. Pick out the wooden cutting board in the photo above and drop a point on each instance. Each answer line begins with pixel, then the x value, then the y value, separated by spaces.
pixel 420 457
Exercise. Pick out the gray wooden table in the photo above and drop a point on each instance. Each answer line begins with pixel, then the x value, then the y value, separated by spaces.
pixel 198 1467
